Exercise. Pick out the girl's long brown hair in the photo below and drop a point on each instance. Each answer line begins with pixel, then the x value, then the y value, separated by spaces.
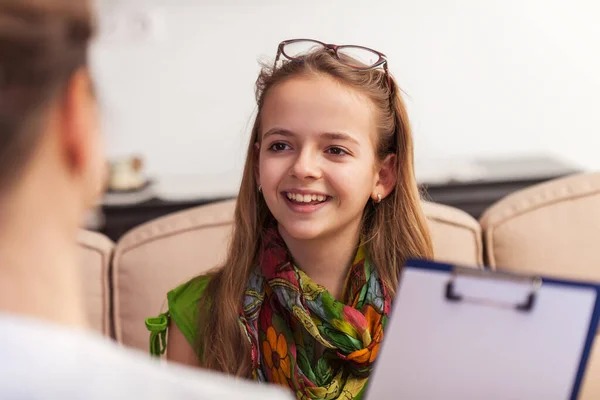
pixel 395 229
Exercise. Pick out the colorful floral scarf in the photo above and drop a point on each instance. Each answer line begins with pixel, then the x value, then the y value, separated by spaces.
pixel 285 314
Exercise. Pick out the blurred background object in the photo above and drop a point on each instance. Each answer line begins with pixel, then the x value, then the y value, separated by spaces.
pixel 126 175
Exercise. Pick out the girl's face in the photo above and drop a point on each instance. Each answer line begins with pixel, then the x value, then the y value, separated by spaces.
pixel 316 158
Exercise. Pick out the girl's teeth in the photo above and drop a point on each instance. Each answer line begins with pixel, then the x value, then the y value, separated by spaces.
pixel 306 198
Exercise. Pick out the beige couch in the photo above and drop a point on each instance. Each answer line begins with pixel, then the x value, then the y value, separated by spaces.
pixel 542 229
pixel 157 256
pixel 95 252
pixel 551 229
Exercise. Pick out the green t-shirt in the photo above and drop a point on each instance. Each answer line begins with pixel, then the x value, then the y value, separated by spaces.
pixel 182 311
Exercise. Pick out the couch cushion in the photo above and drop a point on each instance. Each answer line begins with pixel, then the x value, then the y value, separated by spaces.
pixel 154 258
pixel 455 234
pixel 95 252
pixel 550 229
pixel 157 256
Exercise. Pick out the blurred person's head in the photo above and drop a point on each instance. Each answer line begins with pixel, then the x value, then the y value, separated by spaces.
pixel 51 161
pixel 50 149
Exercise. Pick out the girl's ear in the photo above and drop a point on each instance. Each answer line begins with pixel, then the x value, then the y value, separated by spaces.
pixel 386 178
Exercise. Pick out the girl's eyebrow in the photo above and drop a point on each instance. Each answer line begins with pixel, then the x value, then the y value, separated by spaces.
pixel 327 135
pixel 339 136
pixel 278 131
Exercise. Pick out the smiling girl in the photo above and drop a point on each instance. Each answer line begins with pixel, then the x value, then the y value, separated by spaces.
pixel 327 214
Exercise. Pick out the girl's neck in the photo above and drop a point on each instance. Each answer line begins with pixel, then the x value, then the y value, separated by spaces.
pixel 326 259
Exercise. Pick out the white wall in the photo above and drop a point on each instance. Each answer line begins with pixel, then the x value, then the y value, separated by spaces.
pixel 484 77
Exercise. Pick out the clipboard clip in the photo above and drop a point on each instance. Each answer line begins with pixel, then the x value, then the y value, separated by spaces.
pixel 525 306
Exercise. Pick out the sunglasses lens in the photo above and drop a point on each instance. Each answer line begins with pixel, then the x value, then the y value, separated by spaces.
pixel 299 49
pixel 357 57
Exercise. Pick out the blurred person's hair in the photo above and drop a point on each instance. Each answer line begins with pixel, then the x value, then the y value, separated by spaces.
pixel 42 44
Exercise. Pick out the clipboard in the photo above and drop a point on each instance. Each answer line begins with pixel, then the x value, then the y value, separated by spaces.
pixel 463 333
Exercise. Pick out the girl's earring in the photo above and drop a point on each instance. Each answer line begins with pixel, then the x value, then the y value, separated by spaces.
pixel 378 198
pixel 259 188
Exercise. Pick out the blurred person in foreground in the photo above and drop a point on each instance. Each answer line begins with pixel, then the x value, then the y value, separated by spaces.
pixel 51 172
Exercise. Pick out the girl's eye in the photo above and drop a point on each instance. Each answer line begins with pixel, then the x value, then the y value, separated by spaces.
pixel 279 147
pixel 337 151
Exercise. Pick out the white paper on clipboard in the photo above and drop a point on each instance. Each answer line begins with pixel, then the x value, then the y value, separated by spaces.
pixel 440 349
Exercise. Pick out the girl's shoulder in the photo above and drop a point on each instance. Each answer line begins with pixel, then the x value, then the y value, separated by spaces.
pixel 188 293
pixel 183 306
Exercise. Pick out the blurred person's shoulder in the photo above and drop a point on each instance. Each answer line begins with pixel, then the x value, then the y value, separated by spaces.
pixel 42 360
